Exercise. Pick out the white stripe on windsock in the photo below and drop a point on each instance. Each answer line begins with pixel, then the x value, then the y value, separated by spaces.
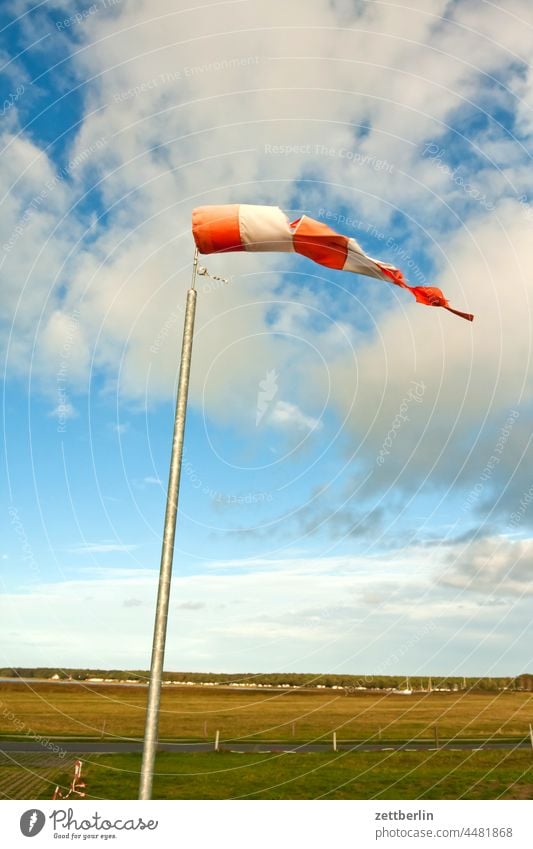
pixel 265 228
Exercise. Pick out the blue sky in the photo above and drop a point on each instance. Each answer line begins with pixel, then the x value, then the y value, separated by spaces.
pixel 357 493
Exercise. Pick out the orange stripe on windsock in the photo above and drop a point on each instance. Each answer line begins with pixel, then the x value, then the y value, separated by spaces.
pixel 430 296
pixel 319 242
pixel 216 228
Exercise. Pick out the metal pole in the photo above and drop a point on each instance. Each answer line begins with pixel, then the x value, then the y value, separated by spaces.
pixel 167 551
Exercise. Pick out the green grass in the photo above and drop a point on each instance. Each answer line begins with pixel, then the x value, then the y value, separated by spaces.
pixel 369 775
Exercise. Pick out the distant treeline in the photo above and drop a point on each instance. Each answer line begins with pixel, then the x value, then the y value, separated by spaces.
pixel 277 679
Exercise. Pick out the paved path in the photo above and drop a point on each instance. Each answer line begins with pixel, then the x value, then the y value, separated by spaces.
pixel 127 747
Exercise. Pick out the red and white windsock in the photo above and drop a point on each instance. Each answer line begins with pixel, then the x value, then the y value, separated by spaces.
pixel 245 227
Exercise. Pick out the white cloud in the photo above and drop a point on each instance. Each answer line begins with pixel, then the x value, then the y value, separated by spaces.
pixel 289 415
pixel 102 547
pixel 180 138
pixel 492 565
pixel 63 411
pixel 348 615
pixel 120 428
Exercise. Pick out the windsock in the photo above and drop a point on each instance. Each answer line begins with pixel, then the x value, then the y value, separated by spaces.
pixel 246 227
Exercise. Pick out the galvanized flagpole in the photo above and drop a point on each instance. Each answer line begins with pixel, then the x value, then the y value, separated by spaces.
pixel 167 551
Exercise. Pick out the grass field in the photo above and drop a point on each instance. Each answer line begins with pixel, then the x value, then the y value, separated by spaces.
pixel 223 775
pixel 196 713
pixel 286 716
